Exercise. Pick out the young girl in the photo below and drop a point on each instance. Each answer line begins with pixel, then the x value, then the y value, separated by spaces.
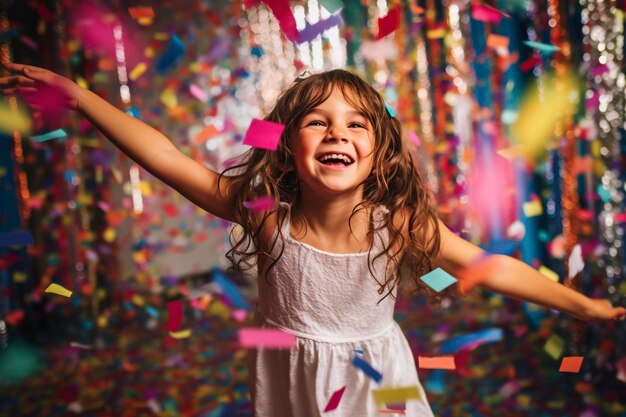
pixel 353 220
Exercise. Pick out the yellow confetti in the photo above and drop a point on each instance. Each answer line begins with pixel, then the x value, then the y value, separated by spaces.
pixel 549 273
pixel 554 346
pixel 533 209
pixel 102 321
pixel 3 172
pixel 181 334
pixel 523 400
pixel 82 82
pixel 109 234
pixel 138 71
pixel 542 109
pixel 11 120
pixel 168 98
pixel 395 395
pixel 58 289
pixel 138 300
pixel 146 188
pixel 19 277
pixel 161 36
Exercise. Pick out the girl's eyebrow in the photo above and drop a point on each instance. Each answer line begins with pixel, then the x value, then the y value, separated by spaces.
pixel 350 113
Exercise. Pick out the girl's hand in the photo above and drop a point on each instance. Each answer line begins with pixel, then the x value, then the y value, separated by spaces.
pixel 599 309
pixel 41 89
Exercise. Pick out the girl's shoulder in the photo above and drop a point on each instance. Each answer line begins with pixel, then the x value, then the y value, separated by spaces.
pixel 270 224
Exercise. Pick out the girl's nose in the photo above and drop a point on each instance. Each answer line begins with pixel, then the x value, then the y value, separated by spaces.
pixel 336 134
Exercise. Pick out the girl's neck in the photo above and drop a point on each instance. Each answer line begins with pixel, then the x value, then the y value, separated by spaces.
pixel 326 217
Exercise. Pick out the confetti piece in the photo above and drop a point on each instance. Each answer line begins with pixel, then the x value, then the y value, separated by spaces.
pixel 543 47
pixel 436 362
pixel 438 279
pixel 331 5
pixel 487 14
pixel 173 54
pixel 80 345
pixel 260 204
pixel 55 134
pixel 575 263
pixel 230 290
pixel 174 315
pixel 367 368
pixel 390 110
pixel 333 403
pixel 497 41
pixel 138 71
pixel 534 127
pixel 207 133
pixel 414 138
pixel 266 338
pixel 571 364
pixel 549 273
pixel 263 134
pixel 311 32
pixel 554 346
pixel 58 289
pixel 8 239
pixel 532 208
pixel 141 12
pixel 181 334
pixel 401 412
pixel 19 277
pixel 359 351
pixel 198 93
pixel 281 11
pixel 388 23
pixel 395 395
pixel 471 340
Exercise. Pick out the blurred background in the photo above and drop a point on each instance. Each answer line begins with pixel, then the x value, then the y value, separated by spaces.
pixel 516 109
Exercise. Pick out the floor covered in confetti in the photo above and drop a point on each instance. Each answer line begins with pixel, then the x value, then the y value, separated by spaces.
pixel 130 367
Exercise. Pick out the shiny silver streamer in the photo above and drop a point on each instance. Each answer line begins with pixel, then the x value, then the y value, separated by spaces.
pixel 604 39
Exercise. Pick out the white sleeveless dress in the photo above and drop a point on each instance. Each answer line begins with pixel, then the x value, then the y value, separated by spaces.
pixel 330 302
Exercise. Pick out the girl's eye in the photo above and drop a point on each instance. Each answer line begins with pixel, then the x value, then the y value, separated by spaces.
pixel 359 125
pixel 315 123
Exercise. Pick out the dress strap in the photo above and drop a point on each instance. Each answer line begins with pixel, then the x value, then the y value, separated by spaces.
pixel 285 228
pixel 381 237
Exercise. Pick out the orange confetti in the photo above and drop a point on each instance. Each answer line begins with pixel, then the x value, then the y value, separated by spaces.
pixel 141 12
pixel 436 362
pixel 571 364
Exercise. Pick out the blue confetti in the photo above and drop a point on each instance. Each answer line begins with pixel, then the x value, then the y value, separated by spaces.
pixel 463 341
pixel 230 290
pixel 8 239
pixel 438 279
pixel 391 111
pixel 172 55
pixel 367 368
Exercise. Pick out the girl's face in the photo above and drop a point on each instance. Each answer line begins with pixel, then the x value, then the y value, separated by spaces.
pixel 334 148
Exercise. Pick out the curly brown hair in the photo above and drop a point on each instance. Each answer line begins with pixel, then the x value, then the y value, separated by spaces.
pixel 394 182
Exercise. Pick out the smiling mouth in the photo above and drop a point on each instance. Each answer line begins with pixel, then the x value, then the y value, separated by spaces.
pixel 335 160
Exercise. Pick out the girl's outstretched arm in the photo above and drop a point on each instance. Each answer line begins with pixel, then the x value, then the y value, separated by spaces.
pixel 513 278
pixel 142 143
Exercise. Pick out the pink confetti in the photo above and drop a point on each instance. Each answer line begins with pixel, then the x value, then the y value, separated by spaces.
pixel 414 138
pixel 240 315
pixel 198 93
pixel 263 134
pixel 485 13
pixel 267 338
pixel 333 403
pixel 260 204
pixel 28 42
